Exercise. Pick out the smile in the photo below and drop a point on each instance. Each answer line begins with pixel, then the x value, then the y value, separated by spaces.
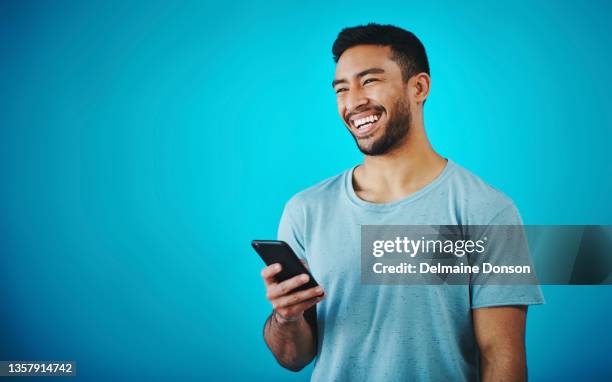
pixel 365 124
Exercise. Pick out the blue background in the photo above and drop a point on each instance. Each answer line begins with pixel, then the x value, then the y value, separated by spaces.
pixel 144 144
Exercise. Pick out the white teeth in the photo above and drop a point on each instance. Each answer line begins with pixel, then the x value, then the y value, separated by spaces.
pixel 366 120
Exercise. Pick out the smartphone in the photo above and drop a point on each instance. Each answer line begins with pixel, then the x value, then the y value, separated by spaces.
pixel 276 251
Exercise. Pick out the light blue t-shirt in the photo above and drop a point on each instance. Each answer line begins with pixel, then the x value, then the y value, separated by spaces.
pixel 395 332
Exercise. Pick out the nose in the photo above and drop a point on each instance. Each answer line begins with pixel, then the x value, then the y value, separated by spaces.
pixel 354 100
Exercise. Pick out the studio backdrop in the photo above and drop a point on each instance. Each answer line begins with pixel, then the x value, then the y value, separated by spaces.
pixel 144 144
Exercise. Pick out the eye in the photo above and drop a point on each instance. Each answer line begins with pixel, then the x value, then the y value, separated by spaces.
pixel 340 90
pixel 370 80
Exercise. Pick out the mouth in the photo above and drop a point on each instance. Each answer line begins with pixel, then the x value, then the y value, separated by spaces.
pixel 364 124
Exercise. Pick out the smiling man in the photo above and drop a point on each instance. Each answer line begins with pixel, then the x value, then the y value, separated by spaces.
pixel 391 332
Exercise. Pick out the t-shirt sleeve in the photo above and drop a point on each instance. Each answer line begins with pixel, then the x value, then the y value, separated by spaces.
pixel 484 295
pixel 291 228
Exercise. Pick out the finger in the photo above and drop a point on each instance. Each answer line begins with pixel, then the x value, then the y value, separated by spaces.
pixel 305 263
pixel 296 297
pixel 287 286
pixel 297 309
pixel 269 272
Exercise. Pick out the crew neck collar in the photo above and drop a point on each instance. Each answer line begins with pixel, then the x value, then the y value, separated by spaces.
pixel 350 191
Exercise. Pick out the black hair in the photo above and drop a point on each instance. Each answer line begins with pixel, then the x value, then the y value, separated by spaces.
pixel 408 51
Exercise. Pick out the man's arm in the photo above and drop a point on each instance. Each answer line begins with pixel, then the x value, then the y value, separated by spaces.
pixel 292 343
pixel 287 333
pixel 500 333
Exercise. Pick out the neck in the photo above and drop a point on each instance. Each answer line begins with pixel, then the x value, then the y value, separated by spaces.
pixel 404 170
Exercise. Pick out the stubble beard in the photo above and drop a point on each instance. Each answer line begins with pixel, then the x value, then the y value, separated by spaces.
pixel 395 133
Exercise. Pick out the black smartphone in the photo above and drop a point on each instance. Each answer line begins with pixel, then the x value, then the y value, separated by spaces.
pixel 276 251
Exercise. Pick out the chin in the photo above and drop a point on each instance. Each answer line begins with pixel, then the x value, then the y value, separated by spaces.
pixel 368 142
pixel 367 149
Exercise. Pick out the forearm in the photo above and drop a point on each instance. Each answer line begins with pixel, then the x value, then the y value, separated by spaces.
pixel 292 343
pixel 503 366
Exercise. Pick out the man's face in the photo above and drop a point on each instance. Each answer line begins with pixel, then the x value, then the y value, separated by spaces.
pixel 372 98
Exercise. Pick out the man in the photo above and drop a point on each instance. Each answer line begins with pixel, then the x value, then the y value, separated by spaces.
pixel 391 332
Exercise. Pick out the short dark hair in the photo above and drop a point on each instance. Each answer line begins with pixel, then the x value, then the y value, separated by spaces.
pixel 408 51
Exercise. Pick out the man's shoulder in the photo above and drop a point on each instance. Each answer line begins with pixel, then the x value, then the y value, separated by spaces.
pixel 320 192
pixel 473 199
pixel 483 201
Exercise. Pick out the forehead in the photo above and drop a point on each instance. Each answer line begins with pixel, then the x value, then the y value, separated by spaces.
pixel 362 57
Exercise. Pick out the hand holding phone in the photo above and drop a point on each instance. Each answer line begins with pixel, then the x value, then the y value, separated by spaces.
pixel 290 287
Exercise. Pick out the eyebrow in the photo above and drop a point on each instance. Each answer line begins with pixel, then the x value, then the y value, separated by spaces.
pixel 358 75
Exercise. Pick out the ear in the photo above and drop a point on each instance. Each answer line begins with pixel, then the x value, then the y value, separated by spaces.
pixel 420 87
